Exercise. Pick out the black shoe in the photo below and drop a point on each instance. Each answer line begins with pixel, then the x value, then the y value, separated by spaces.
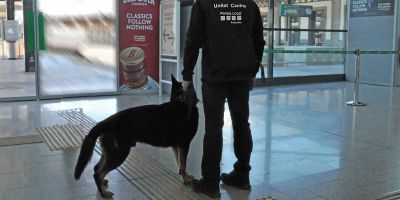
pixel 236 179
pixel 200 186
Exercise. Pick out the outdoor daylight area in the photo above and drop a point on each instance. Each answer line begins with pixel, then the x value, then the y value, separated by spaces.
pixel 80 47
pixel 320 27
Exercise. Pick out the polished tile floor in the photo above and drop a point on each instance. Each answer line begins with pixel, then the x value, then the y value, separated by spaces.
pixel 307 146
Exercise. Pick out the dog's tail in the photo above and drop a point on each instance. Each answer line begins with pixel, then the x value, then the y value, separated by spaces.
pixel 87 149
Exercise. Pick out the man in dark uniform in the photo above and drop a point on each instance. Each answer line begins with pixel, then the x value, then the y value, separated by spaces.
pixel 230 34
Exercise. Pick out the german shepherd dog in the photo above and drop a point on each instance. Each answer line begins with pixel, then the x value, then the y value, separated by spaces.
pixel 171 124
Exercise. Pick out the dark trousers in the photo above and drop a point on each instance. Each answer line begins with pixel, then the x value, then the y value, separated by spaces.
pixel 214 96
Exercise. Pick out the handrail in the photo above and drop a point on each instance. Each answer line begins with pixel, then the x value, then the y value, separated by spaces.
pixel 357 54
pixel 329 51
pixel 304 29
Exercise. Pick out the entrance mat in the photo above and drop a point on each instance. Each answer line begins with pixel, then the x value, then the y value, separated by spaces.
pixel 29 139
pixel 62 137
pixel 390 196
pixel 148 175
pixel 15 85
pixel 76 116
pixel 67 136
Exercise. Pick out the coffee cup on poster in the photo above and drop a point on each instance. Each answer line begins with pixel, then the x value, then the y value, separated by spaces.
pixel 134 67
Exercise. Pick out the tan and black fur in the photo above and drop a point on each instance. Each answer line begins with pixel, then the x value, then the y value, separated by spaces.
pixel 172 124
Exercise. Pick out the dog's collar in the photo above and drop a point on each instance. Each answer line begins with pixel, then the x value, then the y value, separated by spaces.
pixel 180 96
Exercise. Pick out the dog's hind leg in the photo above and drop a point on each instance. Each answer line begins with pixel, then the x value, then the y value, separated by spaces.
pixel 97 167
pixel 112 160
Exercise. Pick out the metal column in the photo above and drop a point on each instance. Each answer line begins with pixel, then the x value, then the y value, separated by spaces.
pixel 271 5
pixel 11 16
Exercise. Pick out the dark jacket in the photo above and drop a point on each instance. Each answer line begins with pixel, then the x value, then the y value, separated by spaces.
pixel 230 33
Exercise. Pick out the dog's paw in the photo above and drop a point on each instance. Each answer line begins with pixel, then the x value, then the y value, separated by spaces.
pixel 187 179
pixel 107 194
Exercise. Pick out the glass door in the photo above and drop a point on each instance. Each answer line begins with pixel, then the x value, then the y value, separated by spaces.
pixel 77 48
pixel 17 66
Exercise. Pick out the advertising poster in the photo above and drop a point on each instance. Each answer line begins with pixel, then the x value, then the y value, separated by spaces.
pixel 368 8
pixel 139 44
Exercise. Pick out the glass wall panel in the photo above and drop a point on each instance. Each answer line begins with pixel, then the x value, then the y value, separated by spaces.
pixel 307 64
pixel 78 51
pixel 16 80
pixel 302 25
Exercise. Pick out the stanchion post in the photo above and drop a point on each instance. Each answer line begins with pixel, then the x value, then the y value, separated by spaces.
pixel 262 72
pixel 2 47
pixel 355 102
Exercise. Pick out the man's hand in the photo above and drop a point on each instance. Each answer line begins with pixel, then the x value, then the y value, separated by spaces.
pixel 186 85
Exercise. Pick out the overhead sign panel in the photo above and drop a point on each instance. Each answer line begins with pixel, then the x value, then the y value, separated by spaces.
pixel 289 10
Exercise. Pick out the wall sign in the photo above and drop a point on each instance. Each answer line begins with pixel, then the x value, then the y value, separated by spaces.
pixel 168 37
pixel 11 30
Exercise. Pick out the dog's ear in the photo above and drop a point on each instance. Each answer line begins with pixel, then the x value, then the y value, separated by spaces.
pixel 174 81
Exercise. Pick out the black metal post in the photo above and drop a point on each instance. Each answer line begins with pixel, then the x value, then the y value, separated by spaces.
pixel 311 25
pixel 10 10
pixel 29 53
pixel 270 72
